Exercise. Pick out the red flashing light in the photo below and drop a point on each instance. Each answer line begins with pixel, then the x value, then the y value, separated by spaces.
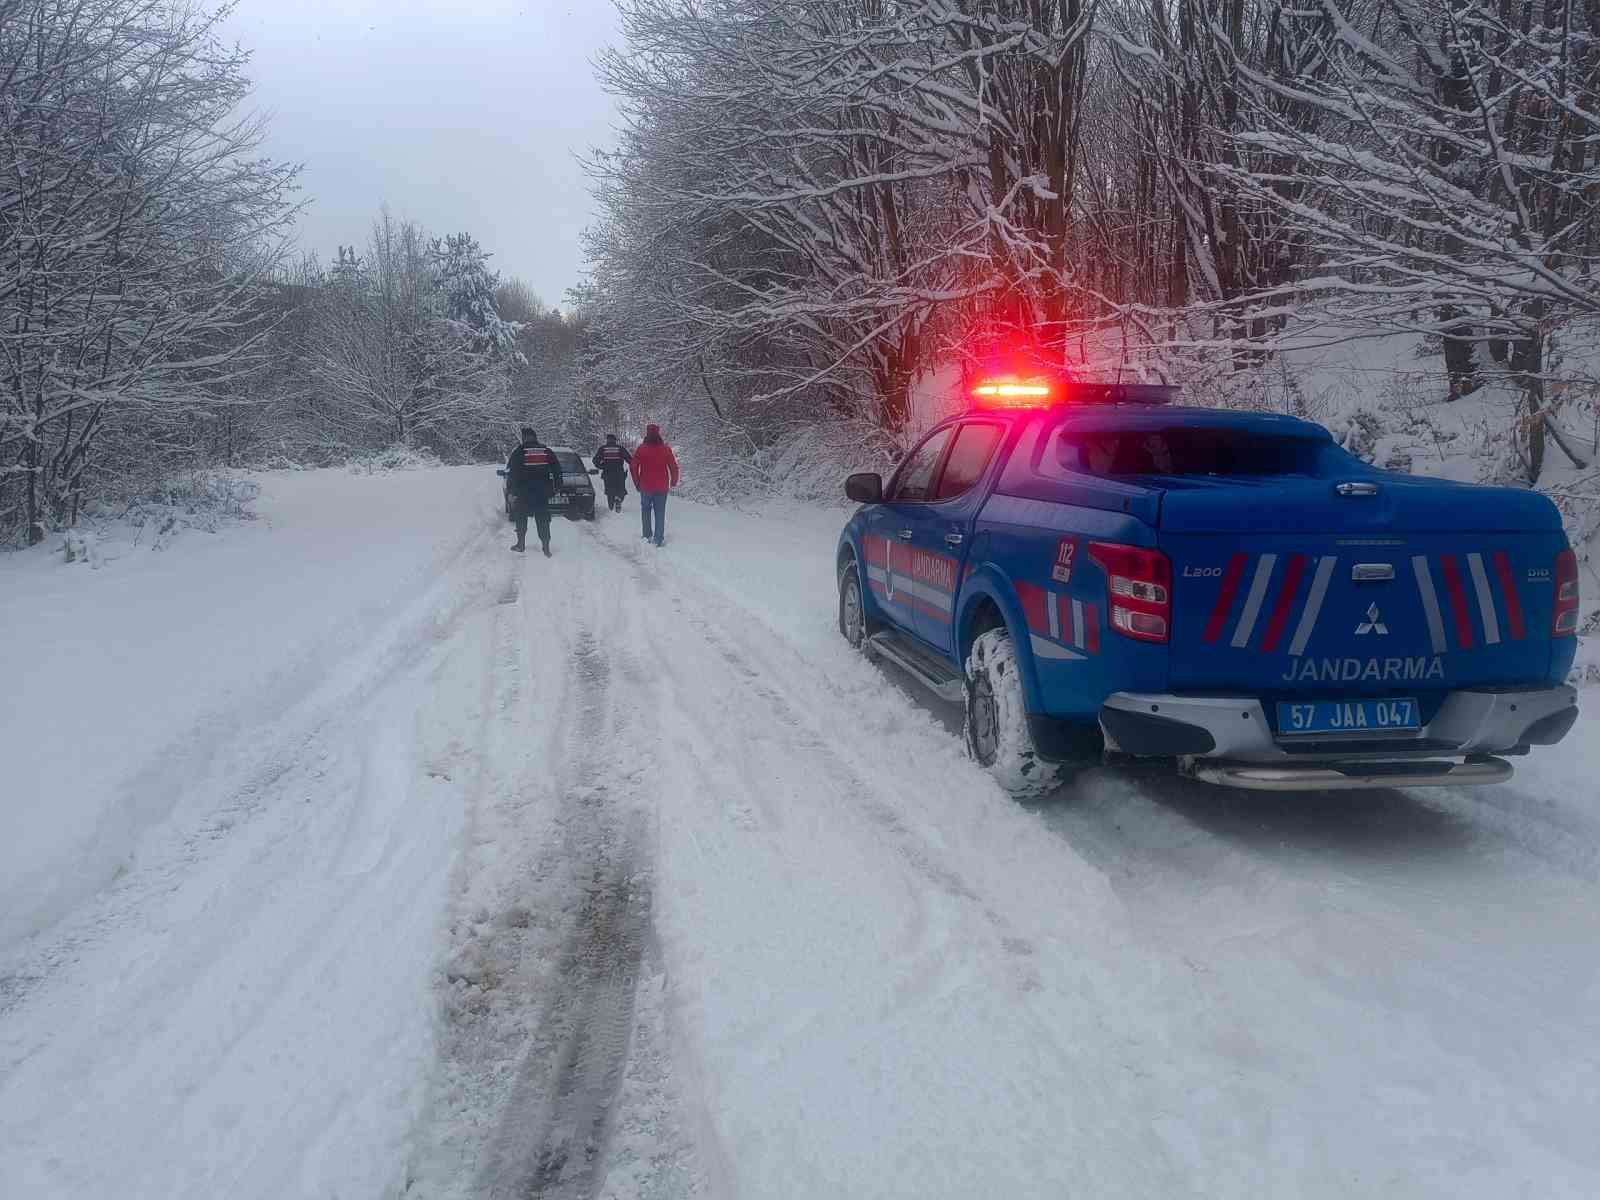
pixel 1011 393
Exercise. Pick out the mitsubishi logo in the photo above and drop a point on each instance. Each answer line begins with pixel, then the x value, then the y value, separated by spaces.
pixel 1373 623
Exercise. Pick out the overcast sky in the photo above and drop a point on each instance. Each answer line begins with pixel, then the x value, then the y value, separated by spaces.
pixel 463 114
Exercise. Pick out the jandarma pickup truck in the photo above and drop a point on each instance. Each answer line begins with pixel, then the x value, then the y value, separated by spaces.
pixel 1093 570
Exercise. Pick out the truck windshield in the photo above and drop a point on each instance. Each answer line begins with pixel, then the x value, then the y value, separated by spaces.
pixel 1213 452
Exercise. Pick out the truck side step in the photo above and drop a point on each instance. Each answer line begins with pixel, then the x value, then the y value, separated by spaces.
pixel 926 667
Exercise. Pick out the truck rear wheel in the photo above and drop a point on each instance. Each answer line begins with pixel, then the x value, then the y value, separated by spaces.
pixel 997 732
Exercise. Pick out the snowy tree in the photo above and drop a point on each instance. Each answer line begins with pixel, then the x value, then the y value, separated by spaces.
pixel 468 287
pixel 1450 185
pixel 137 227
pixel 388 361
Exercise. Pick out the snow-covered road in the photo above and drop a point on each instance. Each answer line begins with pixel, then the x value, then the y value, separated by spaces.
pixel 616 874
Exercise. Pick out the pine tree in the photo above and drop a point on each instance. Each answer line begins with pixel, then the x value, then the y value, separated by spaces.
pixel 467 287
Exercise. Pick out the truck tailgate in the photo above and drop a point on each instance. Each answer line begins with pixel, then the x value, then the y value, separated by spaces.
pixel 1361 613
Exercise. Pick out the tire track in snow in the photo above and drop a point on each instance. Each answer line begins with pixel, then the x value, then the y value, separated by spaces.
pixel 540 1003
pixel 752 667
pixel 552 1138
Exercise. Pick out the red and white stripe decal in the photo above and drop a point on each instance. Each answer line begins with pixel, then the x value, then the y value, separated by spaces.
pixel 1035 607
pixel 910 578
pixel 1458 600
pixel 1498 618
pixel 1313 609
pixel 1430 602
pixel 1508 594
pixel 1285 603
pixel 1468 586
pixel 1246 628
pixel 1480 585
pixel 1062 627
pixel 1224 605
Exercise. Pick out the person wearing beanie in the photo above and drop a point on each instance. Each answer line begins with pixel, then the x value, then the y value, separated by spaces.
pixel 655 473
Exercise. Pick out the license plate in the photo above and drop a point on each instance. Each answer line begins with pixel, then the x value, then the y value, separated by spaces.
pixel 557 501
pixel 1347 716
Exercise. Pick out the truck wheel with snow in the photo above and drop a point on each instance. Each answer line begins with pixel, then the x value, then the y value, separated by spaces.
pixel 996 727
pixel 853 623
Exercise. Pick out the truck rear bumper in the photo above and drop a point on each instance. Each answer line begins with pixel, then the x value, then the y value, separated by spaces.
pixel 1228 739
pixel 1346 776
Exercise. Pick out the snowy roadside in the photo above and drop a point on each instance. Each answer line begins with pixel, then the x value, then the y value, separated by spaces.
pixel 246 872
pixel 1137 987
pixel 618 874
pixel 134 680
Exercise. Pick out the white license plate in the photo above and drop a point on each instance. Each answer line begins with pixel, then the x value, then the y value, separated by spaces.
pixel 1347 716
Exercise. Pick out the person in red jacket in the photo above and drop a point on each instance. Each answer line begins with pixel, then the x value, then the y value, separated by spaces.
pixel 655 473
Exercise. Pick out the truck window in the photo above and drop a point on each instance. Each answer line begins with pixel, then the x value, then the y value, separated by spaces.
pixel 974 447
pixel 1206 452
pixel 914 480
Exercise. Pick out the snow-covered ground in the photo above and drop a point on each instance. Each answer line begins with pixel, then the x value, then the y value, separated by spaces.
pixel 434 871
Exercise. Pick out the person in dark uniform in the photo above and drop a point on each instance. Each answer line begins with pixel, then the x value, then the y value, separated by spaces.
pixel 533 475
pixel 613 462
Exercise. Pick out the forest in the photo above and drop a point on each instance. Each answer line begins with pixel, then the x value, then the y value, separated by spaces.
pixel 814 221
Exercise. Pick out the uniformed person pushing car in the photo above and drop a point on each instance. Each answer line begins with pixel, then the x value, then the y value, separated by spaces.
pixel 532 476
pixel 613 461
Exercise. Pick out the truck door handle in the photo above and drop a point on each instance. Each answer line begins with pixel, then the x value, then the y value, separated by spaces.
pixel 905 535
pixel 953 539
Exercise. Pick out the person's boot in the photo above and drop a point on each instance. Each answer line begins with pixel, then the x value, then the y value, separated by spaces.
pixel 546 548
pixel 518 547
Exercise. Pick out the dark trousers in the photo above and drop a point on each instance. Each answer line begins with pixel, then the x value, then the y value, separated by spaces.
pixel 616 489
pixel 541 521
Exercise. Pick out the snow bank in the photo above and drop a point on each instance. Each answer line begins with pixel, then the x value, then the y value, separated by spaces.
pixel 394 458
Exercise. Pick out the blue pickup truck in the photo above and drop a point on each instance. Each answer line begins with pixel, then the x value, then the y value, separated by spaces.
pixel 1094 571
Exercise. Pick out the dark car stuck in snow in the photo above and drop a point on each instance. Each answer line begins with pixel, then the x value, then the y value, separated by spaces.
pixel 1092 571
pixel 576 496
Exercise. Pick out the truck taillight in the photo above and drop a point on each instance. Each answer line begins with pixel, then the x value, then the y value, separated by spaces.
pixel 1139 587
pixel 1564 623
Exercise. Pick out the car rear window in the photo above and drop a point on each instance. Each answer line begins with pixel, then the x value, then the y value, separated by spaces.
pixel 571 464
pixel 1178 451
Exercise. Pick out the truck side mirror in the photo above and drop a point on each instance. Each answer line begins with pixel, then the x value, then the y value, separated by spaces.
pixel 865 487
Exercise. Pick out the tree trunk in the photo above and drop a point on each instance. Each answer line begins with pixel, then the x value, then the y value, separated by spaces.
pixel 35 527
pixel 1528 362
pixel 1460 361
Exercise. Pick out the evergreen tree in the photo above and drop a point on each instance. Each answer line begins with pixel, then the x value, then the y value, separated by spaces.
pixel 467 287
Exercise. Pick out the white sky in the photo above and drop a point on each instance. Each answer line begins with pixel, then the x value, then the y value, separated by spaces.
pixel 465 116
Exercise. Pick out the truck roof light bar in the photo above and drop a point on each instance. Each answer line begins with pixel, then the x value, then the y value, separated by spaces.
pixel 1012 392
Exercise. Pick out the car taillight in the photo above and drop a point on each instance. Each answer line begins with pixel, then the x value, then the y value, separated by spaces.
pixel 1139 587
pixel 1564 622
